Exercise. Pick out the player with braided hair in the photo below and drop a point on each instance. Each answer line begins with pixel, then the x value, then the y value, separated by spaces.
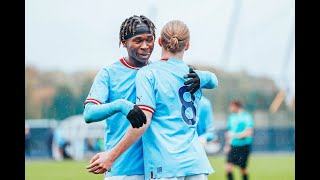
pixel 130 27
pixel 112 97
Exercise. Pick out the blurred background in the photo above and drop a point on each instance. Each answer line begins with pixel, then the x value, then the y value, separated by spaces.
pixel 249 45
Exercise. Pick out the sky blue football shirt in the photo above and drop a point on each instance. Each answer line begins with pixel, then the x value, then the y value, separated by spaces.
pixel 171 145
pixel 237 123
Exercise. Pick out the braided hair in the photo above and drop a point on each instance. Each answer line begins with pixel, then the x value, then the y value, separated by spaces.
pixel 129 26
pixel 175 36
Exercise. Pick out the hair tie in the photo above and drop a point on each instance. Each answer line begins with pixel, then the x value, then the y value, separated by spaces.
pixel 175 36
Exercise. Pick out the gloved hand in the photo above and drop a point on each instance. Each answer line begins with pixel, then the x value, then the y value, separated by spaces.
pixel 136 117
pixel 195 81
pixel 133 113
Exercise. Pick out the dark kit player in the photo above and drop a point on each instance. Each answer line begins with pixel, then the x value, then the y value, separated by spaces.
pixel 238 139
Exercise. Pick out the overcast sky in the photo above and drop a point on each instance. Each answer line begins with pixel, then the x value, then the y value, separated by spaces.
pixel 72 35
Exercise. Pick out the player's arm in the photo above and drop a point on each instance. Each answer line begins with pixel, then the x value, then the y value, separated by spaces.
pixel 228 136
pixel 103 161
pixel 95 113
pixel 209 133
pixel 200 79
pixel 97 109
pixel 132 135
pixel 206 136
pixel 248 132
pixel 227 145
pixel 208 79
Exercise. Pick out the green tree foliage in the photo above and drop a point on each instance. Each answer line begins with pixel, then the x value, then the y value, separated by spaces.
pixel 31 78
pixel 256 93
pixel 63 104
pixel 55 94
pixel 84 90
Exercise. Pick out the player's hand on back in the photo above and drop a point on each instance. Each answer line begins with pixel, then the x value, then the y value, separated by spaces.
pixel 133 113
pixel 194 82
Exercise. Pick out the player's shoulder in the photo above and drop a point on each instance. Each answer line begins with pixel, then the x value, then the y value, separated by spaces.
pixel 113 66
pixel 247 115
pixel 151 67
pixel 105 70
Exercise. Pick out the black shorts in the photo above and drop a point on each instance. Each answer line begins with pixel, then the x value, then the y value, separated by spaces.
pixel 238 155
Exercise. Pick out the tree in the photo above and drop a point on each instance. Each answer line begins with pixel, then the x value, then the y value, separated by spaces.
pixel 31 81
pixel 63 104
pixel 84 90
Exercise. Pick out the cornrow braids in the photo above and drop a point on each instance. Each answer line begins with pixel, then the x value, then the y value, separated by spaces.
pixel 129 25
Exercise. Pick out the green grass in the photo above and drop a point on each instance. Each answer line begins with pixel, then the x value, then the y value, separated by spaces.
pixel 261 167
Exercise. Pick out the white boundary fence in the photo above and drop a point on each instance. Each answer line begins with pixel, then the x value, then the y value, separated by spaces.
pixel 74 129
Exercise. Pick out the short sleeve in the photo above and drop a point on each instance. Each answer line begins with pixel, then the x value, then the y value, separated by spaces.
pixel 145 93
pixel 99 91
pixel 249 121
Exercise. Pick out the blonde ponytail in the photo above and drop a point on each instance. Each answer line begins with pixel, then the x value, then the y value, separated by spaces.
pixel 174 36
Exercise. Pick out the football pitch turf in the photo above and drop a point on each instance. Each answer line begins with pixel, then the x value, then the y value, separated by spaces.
pixel 261 167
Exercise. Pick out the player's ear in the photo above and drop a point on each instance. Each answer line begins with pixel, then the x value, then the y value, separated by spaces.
pixel 160 43
pixel 187 46
pixel 124 43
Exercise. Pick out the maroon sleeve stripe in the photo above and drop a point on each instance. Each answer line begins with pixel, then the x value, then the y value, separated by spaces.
pixel 92 100
pixel 146 108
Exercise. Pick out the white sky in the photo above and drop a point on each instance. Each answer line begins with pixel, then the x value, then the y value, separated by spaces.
pixel 72 35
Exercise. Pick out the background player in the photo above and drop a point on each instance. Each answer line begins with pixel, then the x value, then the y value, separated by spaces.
pixel 171 146
pixel 238 139
pixel 205 128
pixel 205 125
pixel 113 95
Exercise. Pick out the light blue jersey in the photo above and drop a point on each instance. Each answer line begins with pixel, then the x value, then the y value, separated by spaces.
pixel 171 145
pixel 117 81
pixel 205 124
pixel 238 122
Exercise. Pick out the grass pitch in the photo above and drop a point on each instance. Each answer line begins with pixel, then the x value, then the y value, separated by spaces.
pixel 261 167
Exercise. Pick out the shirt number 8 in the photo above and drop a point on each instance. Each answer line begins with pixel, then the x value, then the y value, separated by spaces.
pixel 186 105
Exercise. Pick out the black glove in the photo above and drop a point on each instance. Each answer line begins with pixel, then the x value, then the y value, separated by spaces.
pixel 136 117
pixel 195 81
